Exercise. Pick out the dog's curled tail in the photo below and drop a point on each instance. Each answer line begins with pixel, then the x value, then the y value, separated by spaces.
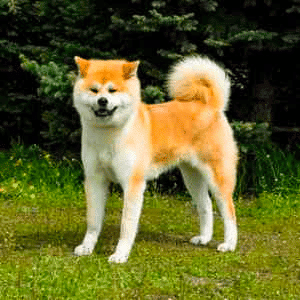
pixel 198 78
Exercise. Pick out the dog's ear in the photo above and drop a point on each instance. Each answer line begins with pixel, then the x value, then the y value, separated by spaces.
pixel 83 65
pixel 130 69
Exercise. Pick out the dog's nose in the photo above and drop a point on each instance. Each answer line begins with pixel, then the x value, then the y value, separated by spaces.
pixel 102 101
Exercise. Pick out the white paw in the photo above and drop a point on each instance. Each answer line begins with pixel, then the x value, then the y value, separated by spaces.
pixel 226 247
pixel 83 250
pixel 200 240
pixel 118 258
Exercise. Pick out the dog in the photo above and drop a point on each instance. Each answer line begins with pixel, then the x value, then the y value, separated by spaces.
pixel 129 142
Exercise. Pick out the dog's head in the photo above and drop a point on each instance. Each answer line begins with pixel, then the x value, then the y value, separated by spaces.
pixel 106 92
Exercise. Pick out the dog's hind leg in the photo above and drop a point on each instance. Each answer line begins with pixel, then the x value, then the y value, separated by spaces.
pixel 198 188
pixel 226 208
pixel 222 186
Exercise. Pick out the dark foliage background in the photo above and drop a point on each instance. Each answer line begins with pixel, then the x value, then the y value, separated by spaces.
pixel 256 41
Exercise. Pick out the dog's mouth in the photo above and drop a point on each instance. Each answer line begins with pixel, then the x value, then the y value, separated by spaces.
pixel 103 112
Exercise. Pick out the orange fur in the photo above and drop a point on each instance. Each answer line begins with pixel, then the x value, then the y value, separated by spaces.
pixel 130 142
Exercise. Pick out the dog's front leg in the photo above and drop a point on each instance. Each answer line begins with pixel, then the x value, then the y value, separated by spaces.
pixel 96 188
pixel 133 202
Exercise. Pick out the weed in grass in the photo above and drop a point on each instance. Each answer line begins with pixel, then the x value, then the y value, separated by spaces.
pixel 267 168
pixel 7 231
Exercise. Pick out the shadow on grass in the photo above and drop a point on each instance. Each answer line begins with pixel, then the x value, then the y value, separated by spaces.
pixel 37 236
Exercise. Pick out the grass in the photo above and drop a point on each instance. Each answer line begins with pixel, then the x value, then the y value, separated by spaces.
pixel 42 219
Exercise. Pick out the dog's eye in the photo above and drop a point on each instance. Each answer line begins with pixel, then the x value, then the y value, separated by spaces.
pixel 94 90
pixel 112 90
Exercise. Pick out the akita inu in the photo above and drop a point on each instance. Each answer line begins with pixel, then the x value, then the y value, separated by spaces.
pixel 129 142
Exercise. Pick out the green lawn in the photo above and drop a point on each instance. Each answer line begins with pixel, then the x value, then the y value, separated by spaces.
pixel 42 219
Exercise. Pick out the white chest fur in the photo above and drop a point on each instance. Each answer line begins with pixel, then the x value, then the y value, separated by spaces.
pixel 105 151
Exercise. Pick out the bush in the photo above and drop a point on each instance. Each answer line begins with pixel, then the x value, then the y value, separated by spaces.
pixel 250 134
pixel 55 92
pixel 153 94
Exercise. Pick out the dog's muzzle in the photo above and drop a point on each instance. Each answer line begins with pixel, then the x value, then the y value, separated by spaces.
pixel 103 111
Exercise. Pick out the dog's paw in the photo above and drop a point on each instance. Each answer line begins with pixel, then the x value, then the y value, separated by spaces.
pixel 200 240
pixel 226 247
pixel 118 258
pixel 83 250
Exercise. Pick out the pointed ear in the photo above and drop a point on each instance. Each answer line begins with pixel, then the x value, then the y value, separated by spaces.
pixel 130 69
pixel 82 64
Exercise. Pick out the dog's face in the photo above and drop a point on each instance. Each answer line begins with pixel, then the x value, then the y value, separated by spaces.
pixel 106 92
